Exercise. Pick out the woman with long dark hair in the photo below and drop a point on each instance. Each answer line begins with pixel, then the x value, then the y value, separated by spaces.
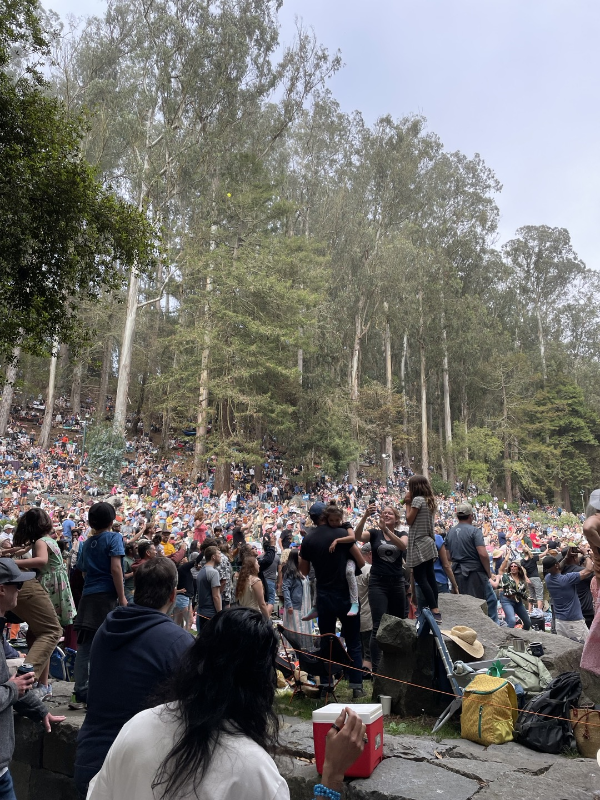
pixel 218 726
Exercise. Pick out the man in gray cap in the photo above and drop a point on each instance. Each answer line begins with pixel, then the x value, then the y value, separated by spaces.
pixel 470 560
pixel 14 692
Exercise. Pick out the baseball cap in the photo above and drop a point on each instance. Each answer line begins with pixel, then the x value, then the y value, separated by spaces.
pixel 464 509
pixel 315 511
pixel 548 562
pixel 10 573
pixel 594 500
pixel 9 527
pixel 366 548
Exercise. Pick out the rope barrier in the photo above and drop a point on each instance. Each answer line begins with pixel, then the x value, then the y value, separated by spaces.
pixel 431 689
pixel 418 685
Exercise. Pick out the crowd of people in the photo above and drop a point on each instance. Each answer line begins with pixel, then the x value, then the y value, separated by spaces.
pixel 169 593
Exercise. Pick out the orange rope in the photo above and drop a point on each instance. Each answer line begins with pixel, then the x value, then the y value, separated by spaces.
pixel 426 688
pixel 438 691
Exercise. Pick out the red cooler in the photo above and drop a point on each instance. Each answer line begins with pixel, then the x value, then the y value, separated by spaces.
pixel 372 716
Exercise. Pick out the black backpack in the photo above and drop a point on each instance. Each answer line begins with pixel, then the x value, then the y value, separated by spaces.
pixel 541 732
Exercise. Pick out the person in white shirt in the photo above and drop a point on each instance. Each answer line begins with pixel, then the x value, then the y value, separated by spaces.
pixel 217 728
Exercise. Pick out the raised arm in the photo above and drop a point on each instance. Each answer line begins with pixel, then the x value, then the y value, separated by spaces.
pixel 361 534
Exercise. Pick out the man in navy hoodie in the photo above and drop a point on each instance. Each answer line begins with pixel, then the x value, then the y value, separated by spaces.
pixel 135 649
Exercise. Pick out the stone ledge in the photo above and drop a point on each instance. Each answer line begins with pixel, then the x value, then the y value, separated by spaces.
pixel 414 767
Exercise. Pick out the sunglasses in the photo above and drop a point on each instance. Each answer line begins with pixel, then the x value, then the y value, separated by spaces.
pixel 18 585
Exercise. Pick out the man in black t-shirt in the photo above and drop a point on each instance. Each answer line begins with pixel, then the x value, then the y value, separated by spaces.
pixel 333 595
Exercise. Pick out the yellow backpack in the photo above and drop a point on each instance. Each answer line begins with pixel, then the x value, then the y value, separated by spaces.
pixel 489 711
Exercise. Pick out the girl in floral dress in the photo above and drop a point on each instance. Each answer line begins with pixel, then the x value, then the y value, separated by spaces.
pixel 34 531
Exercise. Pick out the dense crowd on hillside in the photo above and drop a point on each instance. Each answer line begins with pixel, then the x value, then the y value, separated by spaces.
pixel 128 581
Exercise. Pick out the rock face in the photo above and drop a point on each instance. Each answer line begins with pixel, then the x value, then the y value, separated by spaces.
pixel 416 767
pixel 410 659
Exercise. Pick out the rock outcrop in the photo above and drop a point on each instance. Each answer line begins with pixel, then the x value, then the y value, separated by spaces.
pixel 410 658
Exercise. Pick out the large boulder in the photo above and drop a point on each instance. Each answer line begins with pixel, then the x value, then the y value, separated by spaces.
pixel 410 659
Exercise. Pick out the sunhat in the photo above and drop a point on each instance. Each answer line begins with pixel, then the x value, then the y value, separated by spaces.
pixel 466 638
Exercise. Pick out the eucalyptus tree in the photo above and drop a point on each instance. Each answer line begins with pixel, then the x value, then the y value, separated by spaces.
pixel 544 267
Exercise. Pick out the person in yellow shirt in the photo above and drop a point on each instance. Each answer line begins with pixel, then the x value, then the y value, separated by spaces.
pixel 167 544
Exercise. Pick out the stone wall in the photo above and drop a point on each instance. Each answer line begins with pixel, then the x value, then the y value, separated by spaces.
pixel 414 767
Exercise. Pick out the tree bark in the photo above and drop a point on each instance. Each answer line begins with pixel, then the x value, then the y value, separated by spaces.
pixel 354 373
pixel 222 477
pixel 8 389
pixel 507 470
pixel 44 440
pixel 388 452
pixel 542 341
pixel 126 354
pixel 202 417
pixel 424 438
pixel 447 414
pixel 403 366
pixel 76 388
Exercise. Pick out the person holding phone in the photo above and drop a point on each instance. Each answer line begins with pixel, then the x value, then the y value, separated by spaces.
pixel 387 586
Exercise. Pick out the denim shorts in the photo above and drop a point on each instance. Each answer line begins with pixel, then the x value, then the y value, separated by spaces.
pixel 270 593
pixel 181 601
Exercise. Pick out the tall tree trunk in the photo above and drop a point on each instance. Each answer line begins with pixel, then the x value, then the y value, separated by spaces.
pixel 104 375
pixel 354 379
pixel 76 387
pixel 222 477
pixel 542 341
pixel 44 439
pixel 8 389
pixel 447 414
pixel 388 451
pixel 424 439
pixel 403 366
pixel 507 470
pixel 300 364
pixel 126 353
pixel 202 417
pixel 61 368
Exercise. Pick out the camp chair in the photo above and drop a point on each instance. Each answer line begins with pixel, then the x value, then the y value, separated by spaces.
pixel 426 623
pixel 322 656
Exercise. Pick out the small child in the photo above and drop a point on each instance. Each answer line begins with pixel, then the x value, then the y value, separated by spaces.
pixel 333 517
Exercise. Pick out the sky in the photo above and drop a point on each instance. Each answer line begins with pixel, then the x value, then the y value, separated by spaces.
pixel 516 81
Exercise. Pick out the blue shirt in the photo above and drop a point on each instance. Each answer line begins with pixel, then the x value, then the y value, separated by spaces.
pixel 440 575
pixel 67 529
pixel 94 559
pixel 563 593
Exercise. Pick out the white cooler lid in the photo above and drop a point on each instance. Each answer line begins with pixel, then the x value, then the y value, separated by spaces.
pixel 368 712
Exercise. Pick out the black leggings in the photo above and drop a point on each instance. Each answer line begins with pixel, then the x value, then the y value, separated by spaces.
pixel 425 580
pixel 386 596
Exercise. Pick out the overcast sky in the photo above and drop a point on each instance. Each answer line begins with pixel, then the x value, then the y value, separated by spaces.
pixel 514 80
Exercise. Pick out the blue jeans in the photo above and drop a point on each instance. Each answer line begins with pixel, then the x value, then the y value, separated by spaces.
pixel 512 607
pixel 7 791
pixel 492 603
pixel 270 600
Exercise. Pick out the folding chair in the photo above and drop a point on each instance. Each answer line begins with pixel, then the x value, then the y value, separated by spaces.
pixel 323 657
pixel 425 623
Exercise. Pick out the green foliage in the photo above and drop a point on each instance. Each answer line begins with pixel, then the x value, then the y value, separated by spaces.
pixel 439 485
pixel 62 233
pixel 105 455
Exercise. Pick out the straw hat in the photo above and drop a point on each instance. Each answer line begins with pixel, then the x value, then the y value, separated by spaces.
pixel 466 638
pixel 497 553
